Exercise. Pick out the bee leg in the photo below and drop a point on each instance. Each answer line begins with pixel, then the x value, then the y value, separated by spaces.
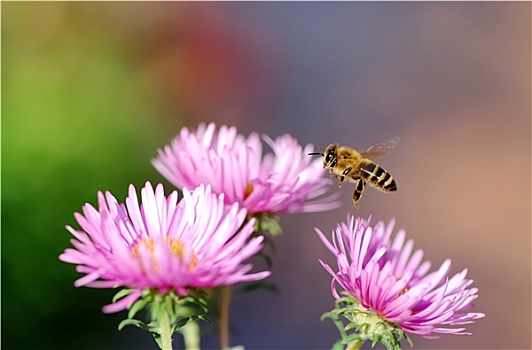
pixel 342 177
pixel 358 192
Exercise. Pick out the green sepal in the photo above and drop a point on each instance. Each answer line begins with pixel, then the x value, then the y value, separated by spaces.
pixel 267 222
pixel 362 325
pixel 266 225
pixel 351 338
pixel 181 309
pixel 136 307
pixel 270 224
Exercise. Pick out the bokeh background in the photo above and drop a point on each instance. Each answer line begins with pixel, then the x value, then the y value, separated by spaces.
pixel 91 90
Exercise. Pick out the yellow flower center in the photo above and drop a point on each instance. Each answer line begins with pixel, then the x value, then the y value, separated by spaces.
pixel 249 190
pixel 175 244
pixel 148 243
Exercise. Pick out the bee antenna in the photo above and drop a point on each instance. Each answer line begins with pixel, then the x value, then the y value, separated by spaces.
pixel 315 154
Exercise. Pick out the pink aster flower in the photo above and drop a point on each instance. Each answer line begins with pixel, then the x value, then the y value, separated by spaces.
pixel 286 181
pixel 162 243
pixel 392 283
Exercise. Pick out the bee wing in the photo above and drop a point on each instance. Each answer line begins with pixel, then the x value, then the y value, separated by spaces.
pixel 381 147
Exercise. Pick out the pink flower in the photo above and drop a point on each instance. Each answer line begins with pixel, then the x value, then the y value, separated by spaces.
pixel 162 243
pixel 391 282
pixel 286 181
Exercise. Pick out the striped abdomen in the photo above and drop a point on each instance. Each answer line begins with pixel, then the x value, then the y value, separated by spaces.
pixel 378 177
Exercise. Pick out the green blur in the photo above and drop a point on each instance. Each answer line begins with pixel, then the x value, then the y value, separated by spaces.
pixel 77 117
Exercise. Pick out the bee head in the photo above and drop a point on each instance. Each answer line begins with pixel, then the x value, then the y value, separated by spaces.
pixel 329 159
pixel 329 156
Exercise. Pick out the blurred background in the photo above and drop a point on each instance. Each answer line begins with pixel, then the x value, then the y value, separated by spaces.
pixel 91 90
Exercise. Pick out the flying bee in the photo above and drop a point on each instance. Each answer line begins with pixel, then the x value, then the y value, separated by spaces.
pixel 346 163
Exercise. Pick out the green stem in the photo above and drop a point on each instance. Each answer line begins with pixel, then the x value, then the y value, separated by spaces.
pixel 355 345
pixel 165 330
pixel 191 335
pixel 225 299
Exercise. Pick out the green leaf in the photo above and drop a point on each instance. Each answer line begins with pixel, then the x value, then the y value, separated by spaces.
pixel 260 285
pixel 338 345
pixel 184 321
pixel 129 322
pixel 409 341
pixel 158 340
pixel 267 258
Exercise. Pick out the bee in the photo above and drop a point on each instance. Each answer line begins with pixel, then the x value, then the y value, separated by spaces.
pixel 345 162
